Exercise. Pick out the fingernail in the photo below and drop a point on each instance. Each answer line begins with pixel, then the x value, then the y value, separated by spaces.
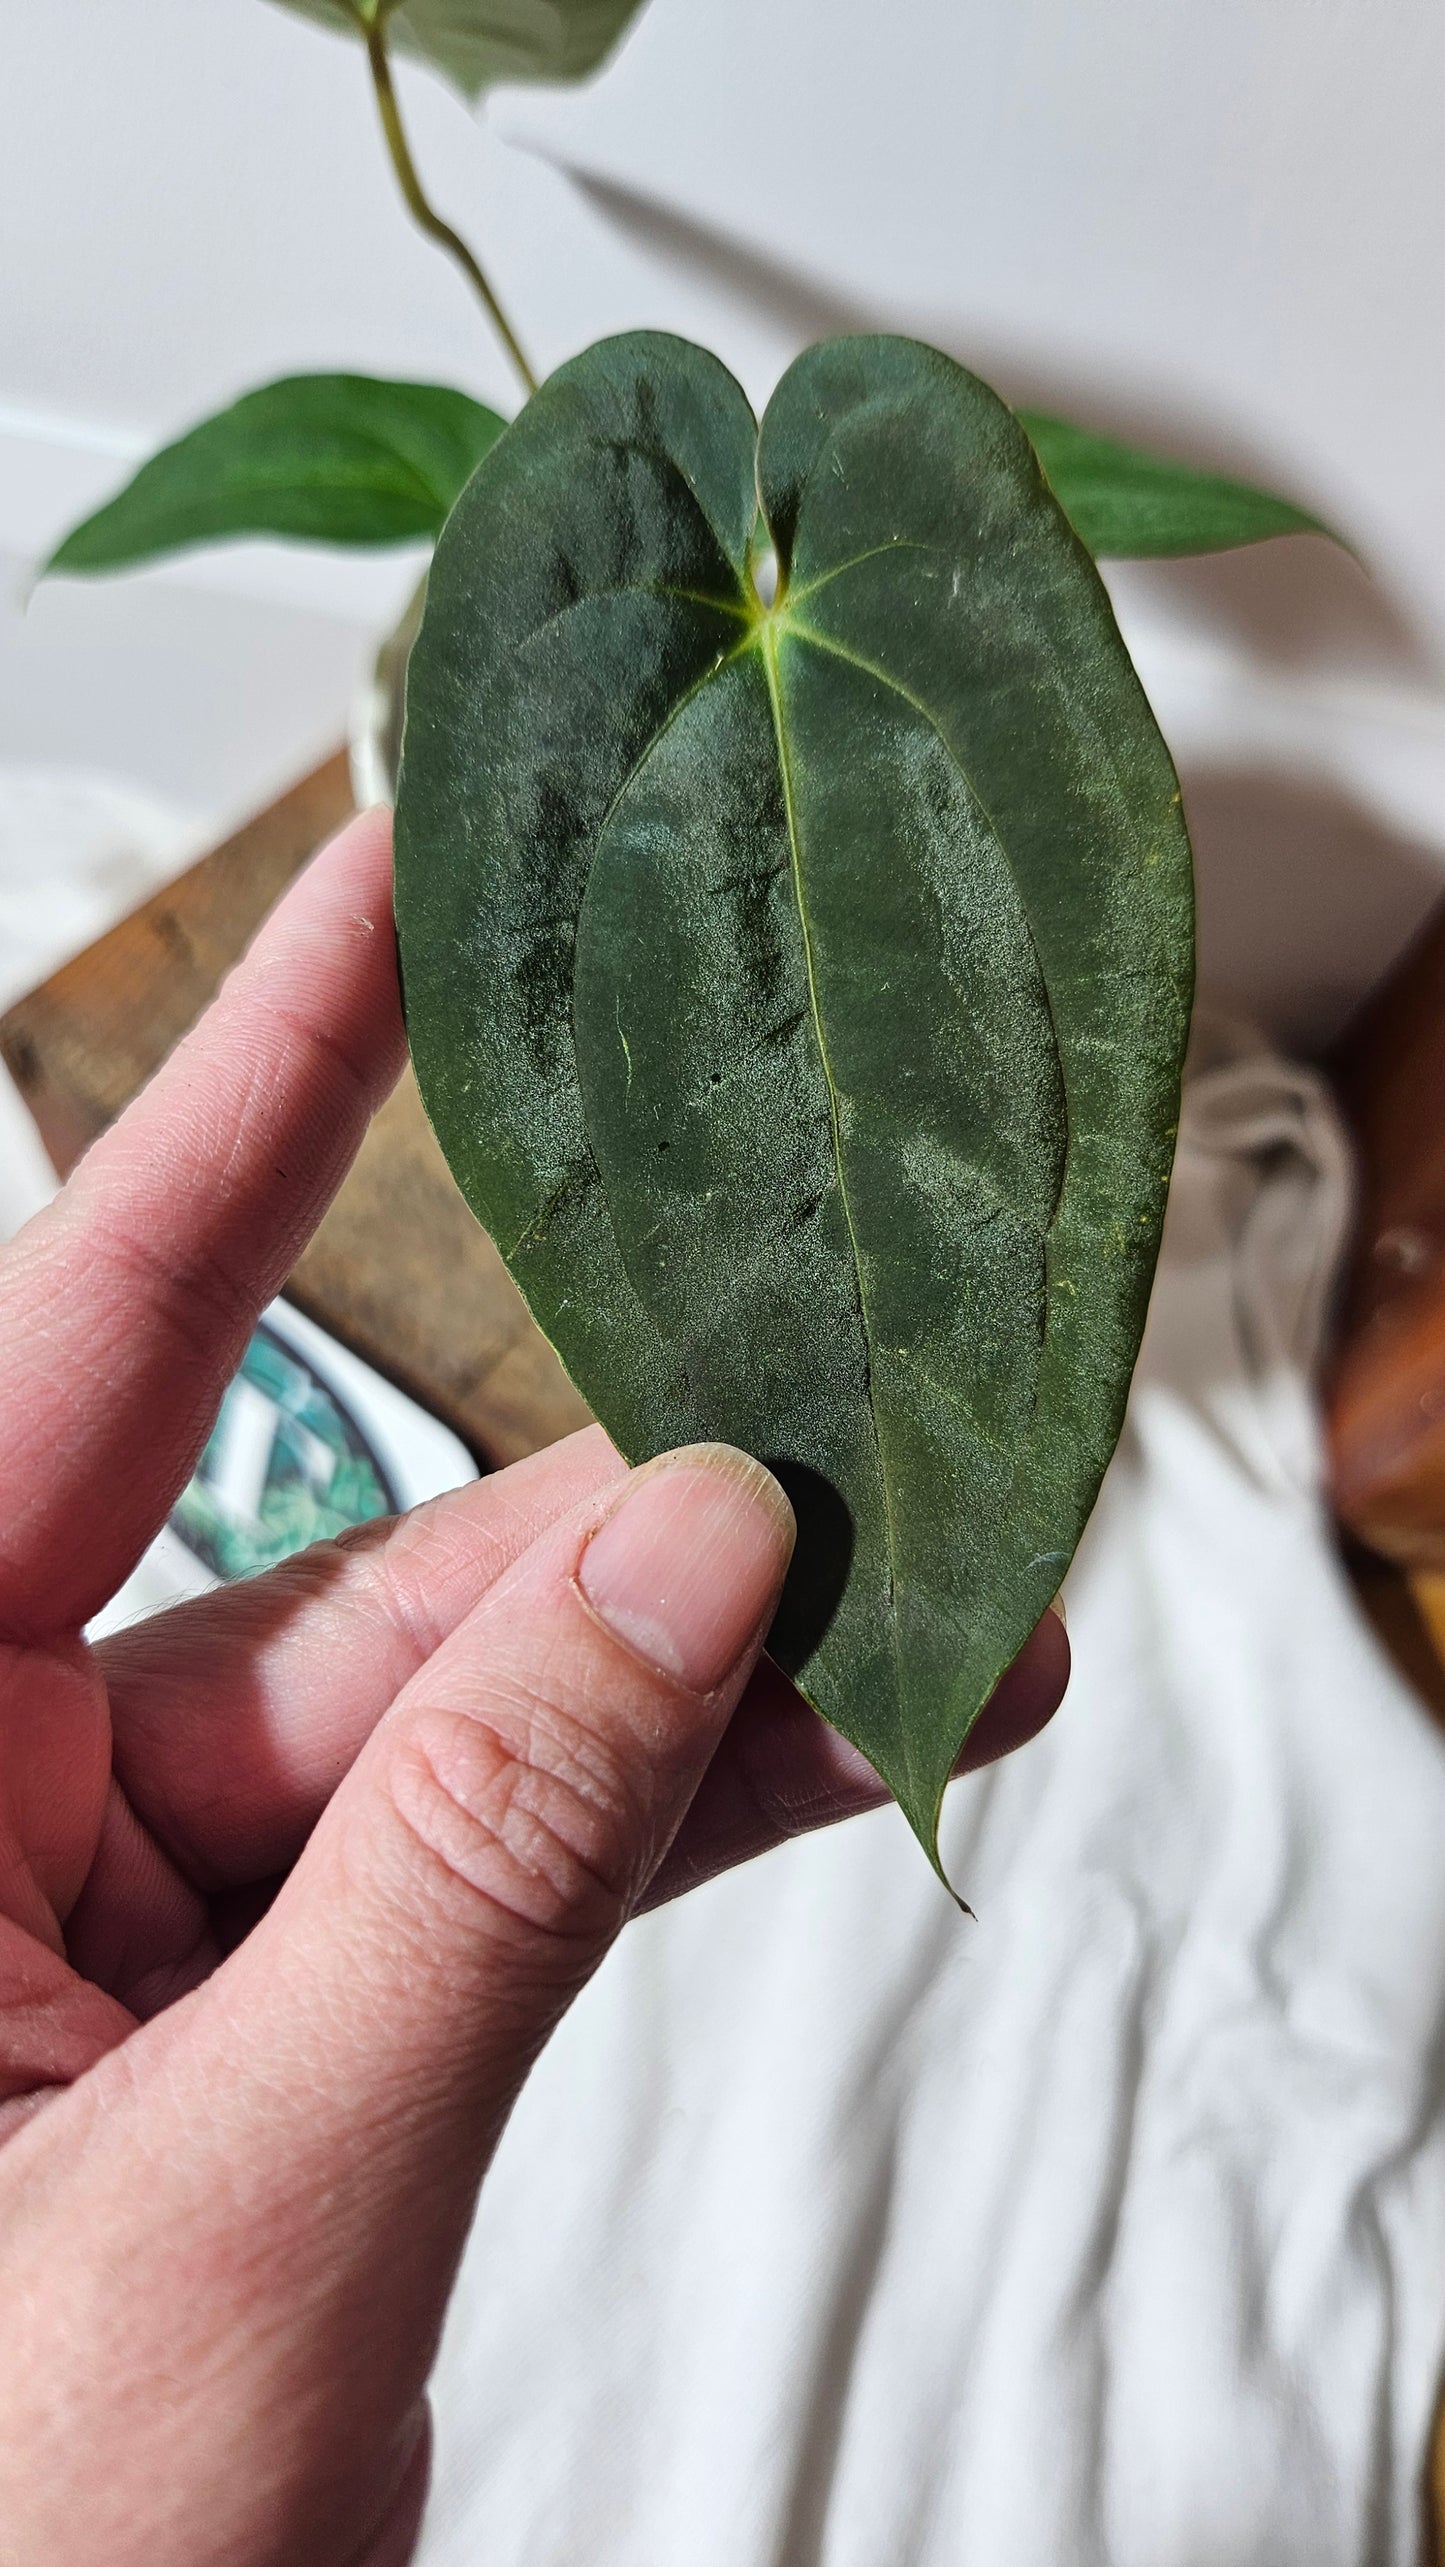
pixel 686 1569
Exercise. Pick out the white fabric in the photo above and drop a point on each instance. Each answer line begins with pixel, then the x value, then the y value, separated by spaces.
pixel 835 2231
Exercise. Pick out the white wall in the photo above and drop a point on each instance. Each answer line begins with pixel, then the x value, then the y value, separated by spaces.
pixel 1222 226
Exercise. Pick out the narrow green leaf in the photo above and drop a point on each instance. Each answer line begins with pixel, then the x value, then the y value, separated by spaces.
pixel 800 993
pixel 326 458
pixel 479 42
pixel 1123 502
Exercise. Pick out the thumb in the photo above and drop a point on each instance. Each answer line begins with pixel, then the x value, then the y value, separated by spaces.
pixel 507 1815
pixel 302 2138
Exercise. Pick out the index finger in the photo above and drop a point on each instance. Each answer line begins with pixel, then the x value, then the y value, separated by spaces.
pixel 125 1307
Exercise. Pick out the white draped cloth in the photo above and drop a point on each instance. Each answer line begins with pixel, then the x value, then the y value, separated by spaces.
pixel 836 2231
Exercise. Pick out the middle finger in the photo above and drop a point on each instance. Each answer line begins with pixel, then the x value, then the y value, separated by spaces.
pixel 236 1716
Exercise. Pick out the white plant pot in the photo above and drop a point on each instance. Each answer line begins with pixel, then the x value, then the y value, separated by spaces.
pixel 379 710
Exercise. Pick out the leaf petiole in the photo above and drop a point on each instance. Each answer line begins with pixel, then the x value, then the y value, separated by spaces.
pixel 371 17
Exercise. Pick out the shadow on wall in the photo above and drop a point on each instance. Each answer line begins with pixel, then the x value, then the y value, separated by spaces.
pixel 1323 604
pixel 1300 603
pixel 803 308
pixel 1295 603
pixel 1307 890
pixel 800 306
pixel 1305 899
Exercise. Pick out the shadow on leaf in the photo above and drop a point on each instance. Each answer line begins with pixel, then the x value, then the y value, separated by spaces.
pixel 820 1563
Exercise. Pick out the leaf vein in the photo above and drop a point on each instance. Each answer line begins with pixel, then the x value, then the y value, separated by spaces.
pixel 679 706
pixel 631 588
pixel 875 552
pixel 884 677
pixel 890 1530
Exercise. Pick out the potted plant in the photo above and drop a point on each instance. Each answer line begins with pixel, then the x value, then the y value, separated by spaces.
pixel 794 904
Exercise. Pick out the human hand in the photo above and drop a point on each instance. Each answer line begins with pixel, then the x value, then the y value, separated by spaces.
pixel 296 1880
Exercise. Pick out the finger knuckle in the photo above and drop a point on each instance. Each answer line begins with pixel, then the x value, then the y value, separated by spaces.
pixel 522 1809
pixel 194 1294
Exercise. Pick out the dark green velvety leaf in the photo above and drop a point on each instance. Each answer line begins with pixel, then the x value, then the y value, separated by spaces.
pixel 1123 502
pixel 326 458
pixel 479 42
pixel 800 993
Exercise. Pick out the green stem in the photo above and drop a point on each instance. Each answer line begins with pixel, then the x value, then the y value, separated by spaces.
pixel 372 25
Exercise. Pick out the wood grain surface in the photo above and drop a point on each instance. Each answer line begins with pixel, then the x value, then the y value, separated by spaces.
pixel 1387 1401
pixel 1386 1408
pixel 399 1269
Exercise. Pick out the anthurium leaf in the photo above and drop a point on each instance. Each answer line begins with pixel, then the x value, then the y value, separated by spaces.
pixel 479 42
pixel 327 458
pixel 1122 501
pixel 800 993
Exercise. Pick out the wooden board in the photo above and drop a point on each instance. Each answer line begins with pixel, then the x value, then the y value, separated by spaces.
pixel 398 1270
pixel 1386 1410
pixel 1387 1402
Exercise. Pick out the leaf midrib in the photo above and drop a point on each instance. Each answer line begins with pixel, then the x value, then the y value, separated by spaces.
pixel 766 639
pixel 883 677
pixel 763 636
pixel 373 467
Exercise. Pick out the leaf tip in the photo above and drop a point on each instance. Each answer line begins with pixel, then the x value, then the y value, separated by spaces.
pixel 925 1820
